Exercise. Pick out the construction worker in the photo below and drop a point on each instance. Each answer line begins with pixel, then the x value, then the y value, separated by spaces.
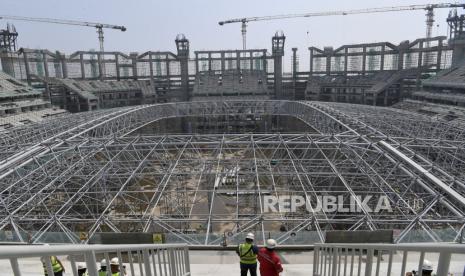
pixel 114 267
pixel 247 253
pixel 57 266
pixel 270 263
pixel 426 269
pixel 82 269
pixel 103 268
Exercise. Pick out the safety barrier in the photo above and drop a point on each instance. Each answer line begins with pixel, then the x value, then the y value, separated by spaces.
pixel 133 259
pixel 368 259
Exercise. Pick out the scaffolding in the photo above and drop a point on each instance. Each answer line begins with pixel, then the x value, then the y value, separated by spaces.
pixel 97 172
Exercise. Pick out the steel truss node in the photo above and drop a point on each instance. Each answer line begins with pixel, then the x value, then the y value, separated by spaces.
pixel 94 172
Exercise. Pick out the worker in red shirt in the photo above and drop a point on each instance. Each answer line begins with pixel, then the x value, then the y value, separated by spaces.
pixel 270 263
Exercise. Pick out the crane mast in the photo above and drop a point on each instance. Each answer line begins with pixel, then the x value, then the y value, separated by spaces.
pixel 429 15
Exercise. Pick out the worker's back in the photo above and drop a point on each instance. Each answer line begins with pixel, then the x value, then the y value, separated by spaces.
pixel 270 263
pixel 247 253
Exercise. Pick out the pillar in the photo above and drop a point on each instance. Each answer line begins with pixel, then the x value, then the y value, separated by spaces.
pixel 278 53
pixel 7 63
pixel 182 45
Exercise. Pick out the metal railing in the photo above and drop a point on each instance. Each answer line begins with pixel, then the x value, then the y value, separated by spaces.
pixel 134 259
pixel 368 259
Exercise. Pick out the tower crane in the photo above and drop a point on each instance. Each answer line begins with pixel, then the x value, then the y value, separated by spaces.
pixel 429 8
pixel 98 26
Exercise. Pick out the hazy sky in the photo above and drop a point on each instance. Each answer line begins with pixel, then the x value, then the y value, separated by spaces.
pixel 153 24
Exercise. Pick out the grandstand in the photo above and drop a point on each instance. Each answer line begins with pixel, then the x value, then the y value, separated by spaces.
pixel 20 104
pixel 448 87
pixel 86 95
pixel 231 84
pixel 453 114
pixel 382 88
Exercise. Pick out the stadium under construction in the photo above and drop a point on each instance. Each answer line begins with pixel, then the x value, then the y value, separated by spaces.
pixel 187 148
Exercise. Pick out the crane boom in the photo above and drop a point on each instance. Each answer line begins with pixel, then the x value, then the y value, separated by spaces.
pixel 332 13
pixel 427 7
pixel 98 26
pixel 64 22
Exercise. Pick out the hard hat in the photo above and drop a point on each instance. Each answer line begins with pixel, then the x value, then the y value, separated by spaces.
pixel 270 243
pixel 81 266
pixel 250 236
pixel 114 261
pixel 103 262
pixel 427 265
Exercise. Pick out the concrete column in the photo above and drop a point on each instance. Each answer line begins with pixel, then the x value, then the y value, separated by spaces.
pixel 401 51
pixel 381 66
pixel 81 60
pixel 118 74
pixel 182 45
pixel 421 53
pixel 168 72
pixel 328 64
pixel 420 65
pixel 439 57
pixel 64 65
pixel 196 63
pixel 26 66
pixel 278 52
pixel 251 60
pixel 265 64
pixel 238 61
pixel 311 60
pixel 134 65
pixel 57 65
pixel 7 63
pixel 278 76
pixel 346 61
pixel 458 52
pixel 151 66
pixel 100 66
pixel 222 63
pixel 45 62
pixel 364 60
pixel 294 70
pixel 294 63
pixel 185 77
pixel 209 61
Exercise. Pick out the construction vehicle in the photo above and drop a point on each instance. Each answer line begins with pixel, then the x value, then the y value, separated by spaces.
pixel 428 7
pixel 98 26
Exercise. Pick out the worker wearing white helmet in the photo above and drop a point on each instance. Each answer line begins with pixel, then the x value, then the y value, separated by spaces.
pixel 103 268
pixel 82 269
pixel 115 267
pixel 426 269
pixel 270 263
pixel 247 253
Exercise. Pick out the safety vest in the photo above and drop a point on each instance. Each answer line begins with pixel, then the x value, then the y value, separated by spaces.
pixel 102 273
pixel 55 265
pixel 246 253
